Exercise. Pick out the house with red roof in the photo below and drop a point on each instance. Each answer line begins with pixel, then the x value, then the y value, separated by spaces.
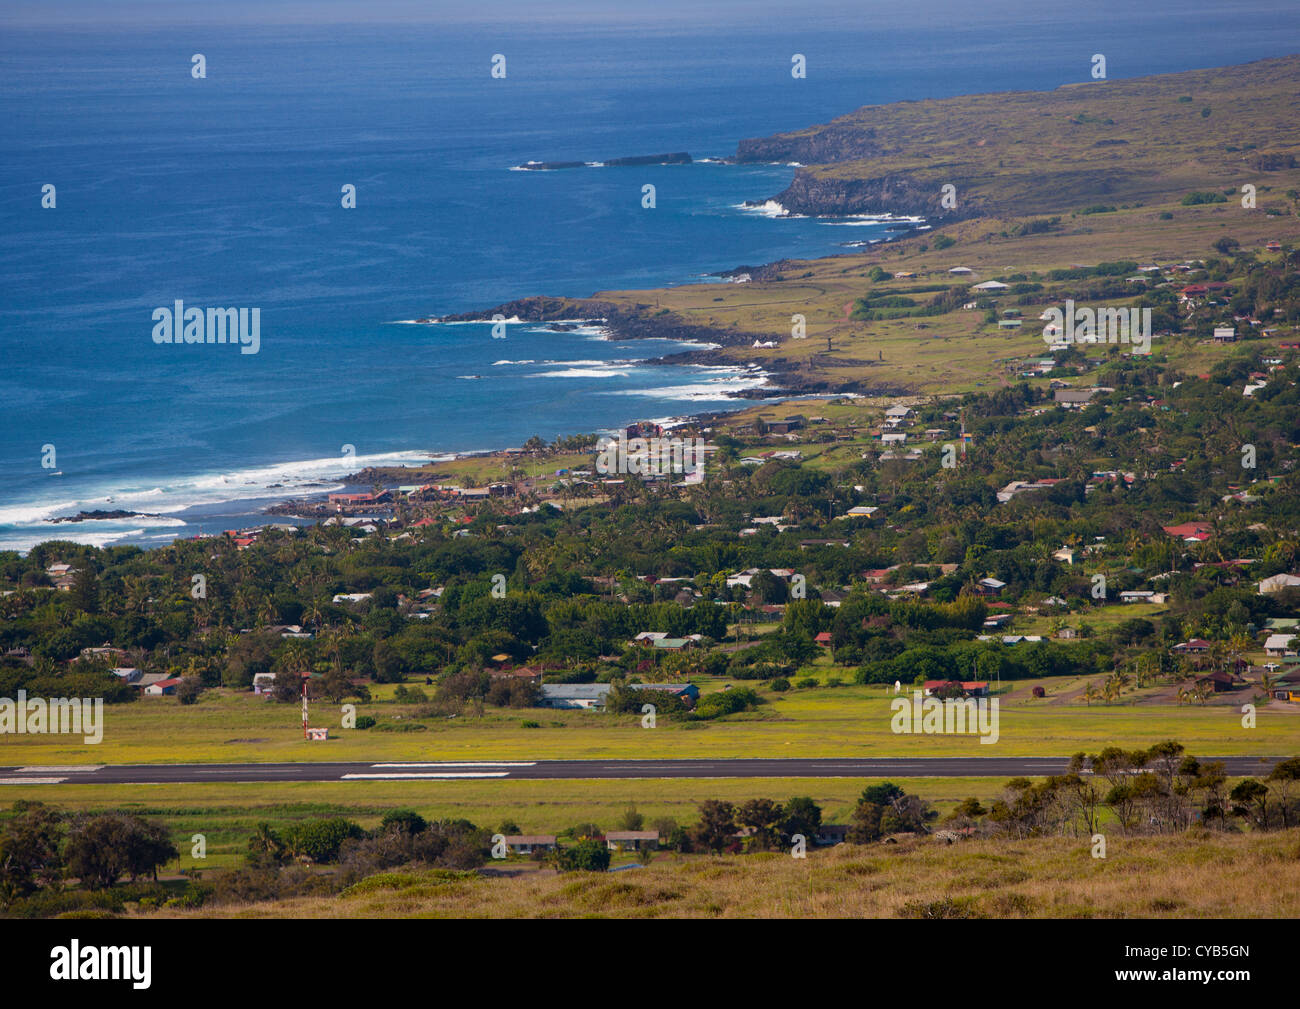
pixel 1199 531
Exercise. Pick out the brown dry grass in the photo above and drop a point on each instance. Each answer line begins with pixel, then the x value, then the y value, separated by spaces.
pixel 1194 875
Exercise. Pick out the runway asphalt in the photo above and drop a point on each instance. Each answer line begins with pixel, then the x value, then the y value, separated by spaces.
pixel 827 767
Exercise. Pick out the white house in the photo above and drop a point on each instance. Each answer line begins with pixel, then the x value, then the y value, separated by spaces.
pixel 1279 645
pixel 589 696
pixel 631 840
pixel 1276 583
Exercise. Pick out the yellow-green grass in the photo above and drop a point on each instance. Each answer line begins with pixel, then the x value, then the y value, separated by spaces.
pixel 227 814
pixel 1101 619
pixel 1192 875
pixel 845 721
pixel 957 352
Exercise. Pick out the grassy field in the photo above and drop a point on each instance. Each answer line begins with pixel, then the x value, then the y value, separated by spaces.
pixel 227 814
pixel 1079 145
pixel 845 721
pixel 1194 875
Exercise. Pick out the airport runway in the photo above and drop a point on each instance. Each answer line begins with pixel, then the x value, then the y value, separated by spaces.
pixel 830 767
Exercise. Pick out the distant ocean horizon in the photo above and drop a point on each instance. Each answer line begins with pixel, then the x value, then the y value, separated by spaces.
pixel 225 191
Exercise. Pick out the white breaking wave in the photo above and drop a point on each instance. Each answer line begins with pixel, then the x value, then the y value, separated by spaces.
pixel 583 373
pixel 768 209
pixel 721 382
pixel 169 496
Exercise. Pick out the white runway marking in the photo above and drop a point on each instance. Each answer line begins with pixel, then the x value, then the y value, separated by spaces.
pixel 31 781
pixel 429 774
pixel 465 763
pixel 61 769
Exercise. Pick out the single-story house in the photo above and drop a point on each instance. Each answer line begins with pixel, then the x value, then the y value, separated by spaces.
pixel 1074 399
pixel 263 683
pixel 1218 682
pixel 1276 583
pixel 1196 646
pixel 1191 530
pixel 823 639
pixel 688 692
pixel 631 840
pixel 671 644
pixel 527 844
pixel 127 674
pixel 832 833
pixel 786 426
pixel 1279 644
pixel 646 637
pixel 590 696
pixel 167 686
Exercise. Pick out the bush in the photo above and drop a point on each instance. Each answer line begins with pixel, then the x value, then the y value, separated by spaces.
pixel 585 856
pixel 726 703
pixel 366 721
pixel 320 840
pixel 944 242
pixel 806 683
pixel 780 684
pixel 189 690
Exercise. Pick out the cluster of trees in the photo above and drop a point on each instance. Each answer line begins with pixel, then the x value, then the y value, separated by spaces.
pixel 42 847
pixel 765 824
pixel 1160 790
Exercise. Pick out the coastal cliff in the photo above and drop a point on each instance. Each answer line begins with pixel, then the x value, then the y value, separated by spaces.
pixel 817 194
pixel 1083 147
pixel 818 146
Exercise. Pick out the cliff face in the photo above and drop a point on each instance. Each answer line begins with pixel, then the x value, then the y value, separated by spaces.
pixel 818 194
pixel 824 145
pixel 1135 140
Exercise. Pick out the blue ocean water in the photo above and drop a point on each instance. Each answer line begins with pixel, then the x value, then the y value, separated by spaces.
pixel 225 191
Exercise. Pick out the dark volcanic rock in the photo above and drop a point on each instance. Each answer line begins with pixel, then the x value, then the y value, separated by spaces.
pixel 823 146
pixel 89 516
pixel 676 158
pixel 550 166
pixel 818 194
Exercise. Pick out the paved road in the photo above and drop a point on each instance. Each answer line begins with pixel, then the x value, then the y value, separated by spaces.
pixel 830 767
